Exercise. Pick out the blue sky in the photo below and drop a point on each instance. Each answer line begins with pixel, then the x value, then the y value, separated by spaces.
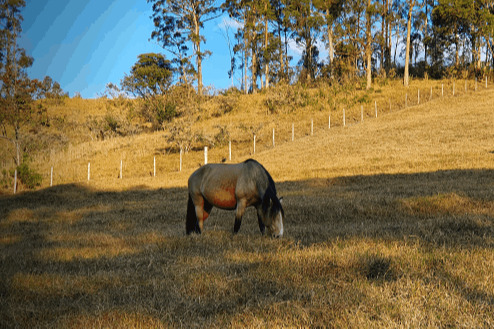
pixel 84 44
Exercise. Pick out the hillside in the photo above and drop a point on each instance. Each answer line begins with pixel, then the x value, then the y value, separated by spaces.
pixel 396 141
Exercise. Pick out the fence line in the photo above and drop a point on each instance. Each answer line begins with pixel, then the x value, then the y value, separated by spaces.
pixel 91 148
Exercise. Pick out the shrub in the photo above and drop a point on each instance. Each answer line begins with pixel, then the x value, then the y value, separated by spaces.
pixel 28 176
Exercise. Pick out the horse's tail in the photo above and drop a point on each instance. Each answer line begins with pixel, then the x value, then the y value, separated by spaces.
pixel 191 223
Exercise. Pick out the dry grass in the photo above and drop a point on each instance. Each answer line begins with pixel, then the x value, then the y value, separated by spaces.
pixel 390 223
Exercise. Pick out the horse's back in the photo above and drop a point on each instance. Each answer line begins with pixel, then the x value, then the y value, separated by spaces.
pixel 223 184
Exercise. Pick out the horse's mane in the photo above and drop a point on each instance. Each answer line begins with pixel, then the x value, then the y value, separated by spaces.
pixel 270 193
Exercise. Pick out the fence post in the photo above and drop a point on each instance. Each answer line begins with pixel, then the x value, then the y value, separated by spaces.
pixel 51 177
pixel 230 150
pixel 329 121
pixel 254 144
pixel 205 155
pixel 15 181
pixel 273 137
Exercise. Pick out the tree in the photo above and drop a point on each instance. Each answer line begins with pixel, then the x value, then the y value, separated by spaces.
pixel 411 5
pixel 178 22
pixel 17 91
pixel 150 76
pixel 305 24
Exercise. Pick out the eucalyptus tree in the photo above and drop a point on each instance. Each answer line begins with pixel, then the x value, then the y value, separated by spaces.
pixel 411 7
pixel 306 24
pixel 178 23
pixel 17 91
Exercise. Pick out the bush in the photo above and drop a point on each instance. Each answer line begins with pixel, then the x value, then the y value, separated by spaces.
pixel 165 113
pixel 28 176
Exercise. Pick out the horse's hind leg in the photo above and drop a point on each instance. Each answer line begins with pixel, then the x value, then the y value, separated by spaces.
pixel 238 215
pixel 191 224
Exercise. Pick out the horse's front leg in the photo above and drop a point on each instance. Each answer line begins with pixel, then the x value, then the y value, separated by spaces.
pixel 238 215
pixel 262 227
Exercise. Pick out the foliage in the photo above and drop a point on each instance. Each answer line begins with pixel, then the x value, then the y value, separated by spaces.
pixel 27 175
pixel 149 77
pixel 178 23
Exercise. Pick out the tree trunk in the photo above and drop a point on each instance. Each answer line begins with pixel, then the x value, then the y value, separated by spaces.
pixel 198 57
pixel 246 45
pixel 282 68
pixel 330 40
pixel 407 56
pixel 368 47
pixel 426 34
pixel 266 62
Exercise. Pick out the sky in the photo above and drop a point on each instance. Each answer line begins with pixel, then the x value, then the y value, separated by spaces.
pixel 85 44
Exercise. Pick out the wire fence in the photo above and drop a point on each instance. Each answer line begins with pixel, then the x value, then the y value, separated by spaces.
pixel 141 151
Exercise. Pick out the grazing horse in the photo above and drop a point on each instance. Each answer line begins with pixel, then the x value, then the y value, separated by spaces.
pixel 234 187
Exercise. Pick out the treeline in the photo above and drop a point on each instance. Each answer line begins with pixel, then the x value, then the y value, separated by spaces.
pixel 17 91
pixel 362 38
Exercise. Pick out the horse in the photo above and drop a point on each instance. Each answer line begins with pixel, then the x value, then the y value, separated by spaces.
pixel 234 187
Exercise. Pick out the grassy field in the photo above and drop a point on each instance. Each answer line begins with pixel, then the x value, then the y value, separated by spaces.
pixel 389 223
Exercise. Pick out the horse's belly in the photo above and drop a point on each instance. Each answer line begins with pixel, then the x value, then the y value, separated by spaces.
pixel 224 198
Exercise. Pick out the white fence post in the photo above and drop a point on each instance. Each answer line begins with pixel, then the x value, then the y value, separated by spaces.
pixel 254 144
pixel 273 137
pixel 329 121
pixel 205 155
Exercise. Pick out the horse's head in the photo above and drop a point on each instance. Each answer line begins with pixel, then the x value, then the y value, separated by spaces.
pixel 273 216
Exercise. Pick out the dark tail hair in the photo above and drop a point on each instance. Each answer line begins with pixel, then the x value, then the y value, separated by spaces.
pixel 191 225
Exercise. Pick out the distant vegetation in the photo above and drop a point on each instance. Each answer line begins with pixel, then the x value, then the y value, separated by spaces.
pixel 440 40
